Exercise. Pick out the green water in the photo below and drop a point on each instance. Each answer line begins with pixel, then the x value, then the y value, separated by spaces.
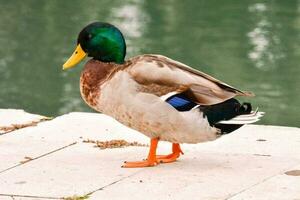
pixel 253 45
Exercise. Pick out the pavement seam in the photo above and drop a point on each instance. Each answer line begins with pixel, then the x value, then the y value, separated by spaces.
pixel 28 196
pixel 41 156
pixel 264 180
pixel 115 182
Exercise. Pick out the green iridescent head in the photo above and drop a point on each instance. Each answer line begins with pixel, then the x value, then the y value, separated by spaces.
pixel 99 40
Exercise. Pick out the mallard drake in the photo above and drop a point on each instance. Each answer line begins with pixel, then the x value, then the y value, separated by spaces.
pixel 155 95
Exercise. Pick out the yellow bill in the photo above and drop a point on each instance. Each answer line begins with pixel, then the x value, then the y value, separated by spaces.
pixel 76 57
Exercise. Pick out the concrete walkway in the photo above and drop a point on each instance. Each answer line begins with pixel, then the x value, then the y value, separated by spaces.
pixel 50 160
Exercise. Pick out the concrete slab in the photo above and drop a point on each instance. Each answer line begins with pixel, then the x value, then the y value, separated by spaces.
pixel 198 175
pixel 11 119
pixel 76 170
pixel 259 140
pixel 282 186
pixel 240 165
pixel 58 133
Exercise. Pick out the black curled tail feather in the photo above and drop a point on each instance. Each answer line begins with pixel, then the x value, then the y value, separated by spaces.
pixel 225 111
pixel 245 108
pixel 229 115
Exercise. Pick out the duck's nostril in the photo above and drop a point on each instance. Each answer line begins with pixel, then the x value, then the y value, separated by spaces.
pixel 76 52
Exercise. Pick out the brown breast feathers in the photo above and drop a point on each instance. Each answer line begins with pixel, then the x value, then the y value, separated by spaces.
pixel 93 75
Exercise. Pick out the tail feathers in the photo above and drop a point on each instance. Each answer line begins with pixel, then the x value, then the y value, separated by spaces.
pixel 250 118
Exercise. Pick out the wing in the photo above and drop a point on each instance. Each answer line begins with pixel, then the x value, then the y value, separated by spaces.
pixel 161 75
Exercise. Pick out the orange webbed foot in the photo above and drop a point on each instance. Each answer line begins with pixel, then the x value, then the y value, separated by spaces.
pixel 153 159
pixel 171 157
pixel 167 158
pixel 150 161
pixel 144 163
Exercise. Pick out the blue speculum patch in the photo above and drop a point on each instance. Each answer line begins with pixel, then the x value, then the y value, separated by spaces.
pixel 180 102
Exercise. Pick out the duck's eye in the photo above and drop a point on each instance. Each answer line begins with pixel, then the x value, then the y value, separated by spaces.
pixel 89 36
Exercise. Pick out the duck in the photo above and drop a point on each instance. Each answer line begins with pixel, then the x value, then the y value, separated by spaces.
pixel 161 98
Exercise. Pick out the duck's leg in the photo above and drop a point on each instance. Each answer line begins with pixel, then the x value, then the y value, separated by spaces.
pixel 176 151
pixel 151 159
